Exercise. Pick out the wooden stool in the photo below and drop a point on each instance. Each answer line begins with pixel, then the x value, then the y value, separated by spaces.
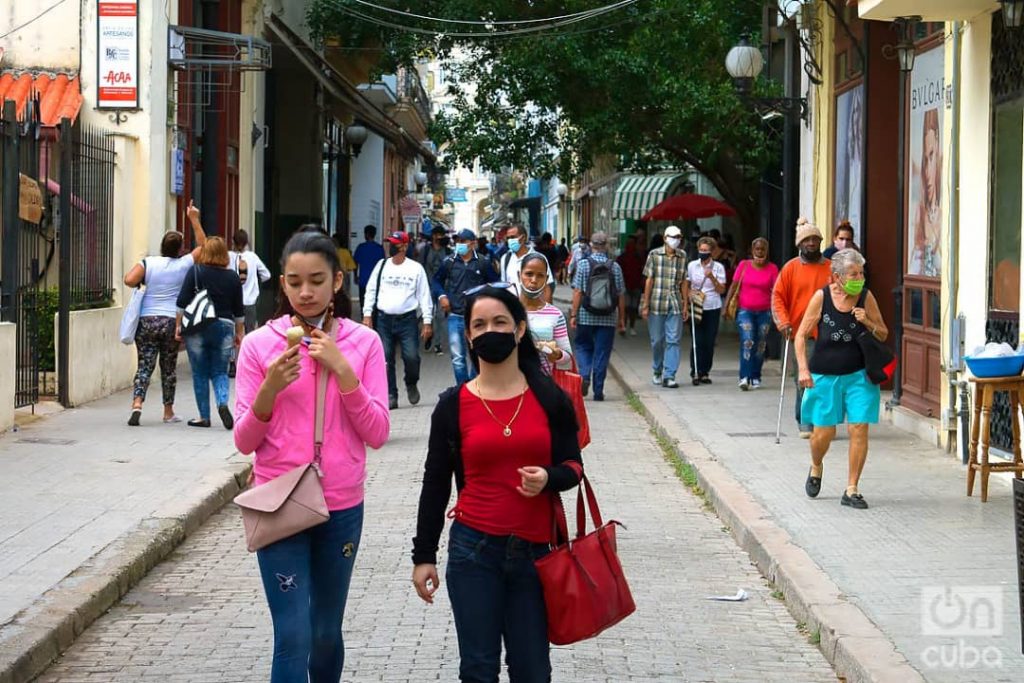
pixel 985 389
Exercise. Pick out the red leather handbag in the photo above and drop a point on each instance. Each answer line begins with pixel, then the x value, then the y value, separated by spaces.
pixel 585 591
pixel 572 384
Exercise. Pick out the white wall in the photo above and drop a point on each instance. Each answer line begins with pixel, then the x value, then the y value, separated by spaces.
pixel 367 203
pixel 49 43
pixel 99 364
pixel 8 381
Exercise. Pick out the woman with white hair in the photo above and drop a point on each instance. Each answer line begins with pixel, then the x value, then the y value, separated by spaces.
pixel 837 387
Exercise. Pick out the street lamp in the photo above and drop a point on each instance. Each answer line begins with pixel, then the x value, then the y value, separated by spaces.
pixel 355 136
pixel 421 179
pixel 561 189
pixel 1013 13
pixel 744 64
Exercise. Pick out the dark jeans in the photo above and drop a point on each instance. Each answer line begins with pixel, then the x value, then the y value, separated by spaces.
pixel 495 596
pixel 209 352
pixel 705 333
pixel 306 579
pixel 753 327
pixel 401 329
pixel 593 350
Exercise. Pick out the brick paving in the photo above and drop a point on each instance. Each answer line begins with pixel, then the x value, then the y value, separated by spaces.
pixel 201 616
pixel 921 535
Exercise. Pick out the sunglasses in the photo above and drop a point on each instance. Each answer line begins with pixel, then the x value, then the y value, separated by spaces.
pixel 492 285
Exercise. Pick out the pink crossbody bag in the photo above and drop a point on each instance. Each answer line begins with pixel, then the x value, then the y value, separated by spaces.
pixel 292 502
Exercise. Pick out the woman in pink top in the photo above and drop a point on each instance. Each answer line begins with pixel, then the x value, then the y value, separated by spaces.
pixel 753 284
pixel 306 576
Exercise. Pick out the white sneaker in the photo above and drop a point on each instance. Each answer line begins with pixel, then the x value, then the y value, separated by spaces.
pixel 632 332
pixel 656 380
pixel 744 385
pixel 755 384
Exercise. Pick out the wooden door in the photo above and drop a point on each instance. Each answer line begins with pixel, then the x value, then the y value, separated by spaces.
pixel 921 355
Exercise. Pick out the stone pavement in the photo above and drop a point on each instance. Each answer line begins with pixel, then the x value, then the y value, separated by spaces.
pixel 88 504
pixel 922 538
pixel 201 616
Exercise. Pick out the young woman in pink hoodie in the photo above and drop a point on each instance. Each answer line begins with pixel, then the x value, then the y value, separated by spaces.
pixel 306 576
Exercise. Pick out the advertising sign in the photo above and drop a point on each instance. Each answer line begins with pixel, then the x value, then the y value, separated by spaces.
pixel 455 194
pixel 850 159
pixel 117 55
pixel 177 170
pixel 924 215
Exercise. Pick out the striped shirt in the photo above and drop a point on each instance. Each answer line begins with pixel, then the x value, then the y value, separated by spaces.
pixel 669 273
pixel 547 324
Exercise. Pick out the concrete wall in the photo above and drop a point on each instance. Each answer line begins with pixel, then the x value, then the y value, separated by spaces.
pixel 8 346
pixel 52 43
pixel 367 204
pixel 99 363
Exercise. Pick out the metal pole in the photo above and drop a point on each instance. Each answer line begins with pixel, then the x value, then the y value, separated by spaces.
pixel 897 292
pixel 67 186
pixel 782 391
pixel 9 274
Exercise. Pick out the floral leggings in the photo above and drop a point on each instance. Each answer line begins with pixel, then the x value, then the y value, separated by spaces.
pixel 155 337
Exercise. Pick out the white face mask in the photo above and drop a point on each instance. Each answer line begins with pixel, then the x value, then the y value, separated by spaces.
pixel 673 242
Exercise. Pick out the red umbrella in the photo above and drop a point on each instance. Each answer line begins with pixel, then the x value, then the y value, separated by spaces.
pixel 683 206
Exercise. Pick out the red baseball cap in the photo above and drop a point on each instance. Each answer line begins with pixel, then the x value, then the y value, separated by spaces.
pixel 399 238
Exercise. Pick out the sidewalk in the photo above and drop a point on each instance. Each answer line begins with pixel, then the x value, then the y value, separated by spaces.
pixel 921 538
pixel 88 505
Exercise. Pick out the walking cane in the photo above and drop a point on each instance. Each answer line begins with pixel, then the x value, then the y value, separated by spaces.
pixel 693 341
pixel 782 391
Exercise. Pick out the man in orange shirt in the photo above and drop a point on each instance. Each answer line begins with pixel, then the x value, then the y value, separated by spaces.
pixel 798 280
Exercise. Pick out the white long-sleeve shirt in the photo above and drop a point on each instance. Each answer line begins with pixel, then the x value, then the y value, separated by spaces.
pixel 258 273
pixel 403 288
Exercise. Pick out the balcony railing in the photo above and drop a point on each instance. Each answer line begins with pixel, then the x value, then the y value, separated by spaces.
pixel 410 91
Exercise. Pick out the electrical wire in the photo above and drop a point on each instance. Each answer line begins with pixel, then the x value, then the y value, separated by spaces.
pixel 512 22
pixel 34 19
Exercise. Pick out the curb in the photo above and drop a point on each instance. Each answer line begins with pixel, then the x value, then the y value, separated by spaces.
pixel 857 649
pixel 37 635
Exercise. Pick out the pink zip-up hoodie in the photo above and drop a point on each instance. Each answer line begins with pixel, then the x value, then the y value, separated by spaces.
pixel 351 421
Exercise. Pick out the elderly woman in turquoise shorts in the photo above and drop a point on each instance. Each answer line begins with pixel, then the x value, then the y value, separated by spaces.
pixel 837 386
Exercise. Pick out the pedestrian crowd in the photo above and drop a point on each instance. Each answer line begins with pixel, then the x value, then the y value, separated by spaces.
pixel 508 432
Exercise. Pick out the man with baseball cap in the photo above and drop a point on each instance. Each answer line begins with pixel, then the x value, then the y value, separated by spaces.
pixel 798 280
pixel 462 271
pixel 398 294
pixel 598 308
pixel 662 306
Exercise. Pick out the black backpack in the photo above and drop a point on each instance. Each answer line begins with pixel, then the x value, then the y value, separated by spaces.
pixel 600 296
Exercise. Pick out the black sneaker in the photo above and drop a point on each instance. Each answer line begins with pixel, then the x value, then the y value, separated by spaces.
pixel 855 501
pixel 133 419
pixel 231 369
pixel 813 486
pixel 413 393
pixel 225 416
pixel 392 402
pixel 586 386
pixel 426 344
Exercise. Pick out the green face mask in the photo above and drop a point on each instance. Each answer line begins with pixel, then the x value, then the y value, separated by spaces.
pixel 853 287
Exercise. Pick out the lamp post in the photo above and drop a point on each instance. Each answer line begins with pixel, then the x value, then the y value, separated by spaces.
pixel 1013 13
pixel 420 178
pixel 355 136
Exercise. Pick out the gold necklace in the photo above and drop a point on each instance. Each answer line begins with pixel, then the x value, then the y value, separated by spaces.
pixel 507 431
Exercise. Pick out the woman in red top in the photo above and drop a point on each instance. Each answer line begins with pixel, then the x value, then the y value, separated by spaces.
pixel 631 261
pixel 509 438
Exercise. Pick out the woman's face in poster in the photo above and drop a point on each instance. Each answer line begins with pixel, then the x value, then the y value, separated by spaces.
pixel 930 163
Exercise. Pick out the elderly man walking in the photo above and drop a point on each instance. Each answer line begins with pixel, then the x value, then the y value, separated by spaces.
pixel 662 306
pixel 598 309
pixel 798 281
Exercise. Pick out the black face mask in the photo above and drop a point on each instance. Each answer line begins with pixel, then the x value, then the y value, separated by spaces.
pixel 494 347
pixel 394 249
pixel 810 255
pixel 704 256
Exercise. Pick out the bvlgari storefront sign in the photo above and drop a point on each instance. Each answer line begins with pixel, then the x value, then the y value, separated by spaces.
pixel 117 55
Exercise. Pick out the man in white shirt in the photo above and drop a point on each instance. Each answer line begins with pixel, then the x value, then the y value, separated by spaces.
pixel 397 294
pixel 519 246
pixel 246 262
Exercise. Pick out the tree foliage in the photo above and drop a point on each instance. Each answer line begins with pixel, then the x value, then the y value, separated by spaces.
pixel 646 83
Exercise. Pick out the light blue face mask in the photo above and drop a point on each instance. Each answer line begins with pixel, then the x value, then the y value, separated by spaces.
pixel 461 249
pixel 514 245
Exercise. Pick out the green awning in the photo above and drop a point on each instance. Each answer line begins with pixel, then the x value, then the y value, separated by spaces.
pixel 638 194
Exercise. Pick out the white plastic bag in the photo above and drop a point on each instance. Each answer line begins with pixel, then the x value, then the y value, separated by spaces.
pixel 130 318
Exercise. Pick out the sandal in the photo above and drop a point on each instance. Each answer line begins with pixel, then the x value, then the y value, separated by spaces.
pixel 173 419
pixel 198 423
pixel 133 419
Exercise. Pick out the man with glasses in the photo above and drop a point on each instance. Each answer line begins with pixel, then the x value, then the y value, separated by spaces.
pixel 462 272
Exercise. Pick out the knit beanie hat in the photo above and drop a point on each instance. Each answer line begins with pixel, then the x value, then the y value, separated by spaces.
pixel 805 229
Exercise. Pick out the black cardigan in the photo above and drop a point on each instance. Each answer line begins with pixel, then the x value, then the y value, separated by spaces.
pixel 444 458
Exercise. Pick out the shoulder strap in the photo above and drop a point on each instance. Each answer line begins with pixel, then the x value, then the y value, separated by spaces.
pixel 862 298
pixel 380 274
pixel 318 424
pixel 145 271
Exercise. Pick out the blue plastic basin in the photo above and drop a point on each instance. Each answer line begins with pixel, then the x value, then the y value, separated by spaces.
pixel 1008 366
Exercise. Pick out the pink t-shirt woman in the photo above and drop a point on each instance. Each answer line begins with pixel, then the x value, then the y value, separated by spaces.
pixel 755 285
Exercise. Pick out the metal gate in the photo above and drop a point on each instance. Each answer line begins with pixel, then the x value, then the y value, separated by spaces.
pixel 23 265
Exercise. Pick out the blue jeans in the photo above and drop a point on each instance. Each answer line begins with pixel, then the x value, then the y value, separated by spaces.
pixel 593 350
pixel 665 329
pixel 458 347
pixel 706 331
pixel 404 330
pixel 209 352
pixel 306 579
pixel 753 327
pixel 496 595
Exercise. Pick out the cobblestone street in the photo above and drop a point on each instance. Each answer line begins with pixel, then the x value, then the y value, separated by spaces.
pixel 201 616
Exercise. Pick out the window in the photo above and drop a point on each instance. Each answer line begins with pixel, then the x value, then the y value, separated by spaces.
pixel 1004 243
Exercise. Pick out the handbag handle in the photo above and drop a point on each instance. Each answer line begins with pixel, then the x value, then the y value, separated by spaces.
pixel 560 525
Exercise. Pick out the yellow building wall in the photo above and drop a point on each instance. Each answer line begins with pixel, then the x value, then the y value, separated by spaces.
pixel 822 105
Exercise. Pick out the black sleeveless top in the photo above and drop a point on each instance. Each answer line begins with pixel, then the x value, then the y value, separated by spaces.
pixel 836 351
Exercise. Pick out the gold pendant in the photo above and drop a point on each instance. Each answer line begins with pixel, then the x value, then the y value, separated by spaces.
pixel 508 431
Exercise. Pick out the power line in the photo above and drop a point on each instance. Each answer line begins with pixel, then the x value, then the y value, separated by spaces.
pixel 33 19
pixel 511 22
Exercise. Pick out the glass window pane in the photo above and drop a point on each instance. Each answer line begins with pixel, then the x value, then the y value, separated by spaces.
pixel 934 310
pixel 916 308
pixel 1004 254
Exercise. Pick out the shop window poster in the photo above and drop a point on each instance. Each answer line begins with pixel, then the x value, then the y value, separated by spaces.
pixel 849 191
pixel 924 179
